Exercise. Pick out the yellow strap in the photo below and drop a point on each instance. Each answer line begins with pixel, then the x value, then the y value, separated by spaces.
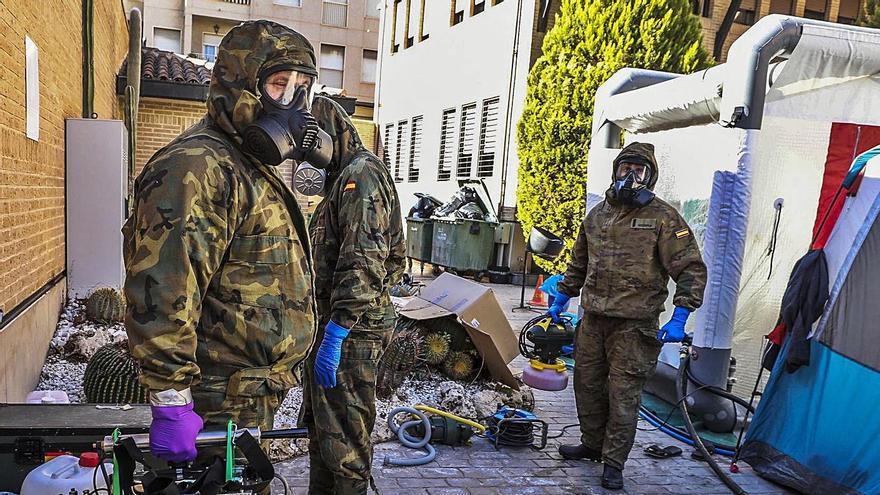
pixel 429 409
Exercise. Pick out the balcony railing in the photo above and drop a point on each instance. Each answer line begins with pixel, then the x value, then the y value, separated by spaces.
pixel 239 2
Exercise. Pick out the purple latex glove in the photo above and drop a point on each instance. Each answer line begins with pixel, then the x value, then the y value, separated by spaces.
pixel 173 432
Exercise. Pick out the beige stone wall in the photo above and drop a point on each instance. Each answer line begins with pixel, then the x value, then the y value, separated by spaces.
pixel 32 250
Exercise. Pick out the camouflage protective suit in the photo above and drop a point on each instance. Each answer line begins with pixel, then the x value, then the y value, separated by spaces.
pixel 357 235
pixel 621 263
pixel 219 279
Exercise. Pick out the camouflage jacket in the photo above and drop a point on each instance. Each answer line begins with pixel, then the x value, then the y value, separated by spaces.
pixel 356 230
pixel 219 279
pixel 624 256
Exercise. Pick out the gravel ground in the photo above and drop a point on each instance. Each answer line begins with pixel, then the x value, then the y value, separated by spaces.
pixel 76 339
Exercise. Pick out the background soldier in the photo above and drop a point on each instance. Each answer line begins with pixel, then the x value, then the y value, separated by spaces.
pixel 218 267
pixel 628 247
pixel 357 235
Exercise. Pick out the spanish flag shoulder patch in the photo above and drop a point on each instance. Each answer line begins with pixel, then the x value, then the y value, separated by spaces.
pixel 350 186
pixel 680 234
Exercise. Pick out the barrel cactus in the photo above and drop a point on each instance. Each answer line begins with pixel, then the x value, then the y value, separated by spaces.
pixel 111 377
pixel 405 351
pixel 459 365
pixel 105 305
pixel 436 347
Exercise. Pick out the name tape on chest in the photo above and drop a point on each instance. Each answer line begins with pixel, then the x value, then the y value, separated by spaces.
pixel 643 223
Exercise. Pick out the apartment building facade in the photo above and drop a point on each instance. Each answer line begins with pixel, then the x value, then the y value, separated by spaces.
pixel 712 12
pixel 343 32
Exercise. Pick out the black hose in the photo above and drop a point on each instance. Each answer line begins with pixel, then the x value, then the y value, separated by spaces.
pixel 285 433
pixel 720 392
pixel 681 383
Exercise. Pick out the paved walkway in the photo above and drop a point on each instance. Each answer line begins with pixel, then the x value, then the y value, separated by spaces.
pixel 481 470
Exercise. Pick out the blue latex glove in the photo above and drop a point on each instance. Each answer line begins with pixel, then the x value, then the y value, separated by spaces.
pixel 173 432
pixel 558 307
pixel 329 354
pixel 673 330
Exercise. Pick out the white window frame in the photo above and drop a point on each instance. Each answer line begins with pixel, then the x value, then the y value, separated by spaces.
pixel 375 12
pixel 375 65
pixel 296 4
pixel 346 3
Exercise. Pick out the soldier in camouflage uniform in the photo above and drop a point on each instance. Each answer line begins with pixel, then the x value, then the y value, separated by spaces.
pixel 628 247
pixel 219 278
pixel 357 235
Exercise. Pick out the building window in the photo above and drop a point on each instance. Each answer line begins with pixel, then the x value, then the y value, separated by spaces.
pixel 422 34
pixel 368 67
pixel 746 13
pixel 373 8
pixel 210 42
pixel 332 63
pixel 335 13
pixel 386 145
pixel 488 138
pixel 397 27
pixel 412 19
pixel 415 149
pixel 849 11
pixel 167 39
pixel 477 6
pixel 467 130
pixel 289 3
pixel 447 141
pixel 400 155
pixel 702 7
pixel 781 6
pixel 456 13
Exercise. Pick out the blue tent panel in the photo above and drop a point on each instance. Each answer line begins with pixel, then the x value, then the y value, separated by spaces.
pixel 818 429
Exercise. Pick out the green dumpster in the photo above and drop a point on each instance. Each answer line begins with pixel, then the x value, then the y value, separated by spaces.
pixel 463 245
pixel 419 238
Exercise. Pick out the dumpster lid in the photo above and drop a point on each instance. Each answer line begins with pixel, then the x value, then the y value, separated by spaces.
pixel 478 311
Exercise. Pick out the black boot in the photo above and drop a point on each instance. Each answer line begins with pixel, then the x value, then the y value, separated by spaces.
pixel 612 478
pixel 580 451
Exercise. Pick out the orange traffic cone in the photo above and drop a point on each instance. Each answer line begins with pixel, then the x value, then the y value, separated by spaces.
pixel 538 298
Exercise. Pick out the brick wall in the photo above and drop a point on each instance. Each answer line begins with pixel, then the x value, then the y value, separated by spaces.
pixel 160 121
pixel 32 173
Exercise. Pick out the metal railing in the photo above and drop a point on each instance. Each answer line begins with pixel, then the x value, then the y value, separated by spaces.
pixel 239 2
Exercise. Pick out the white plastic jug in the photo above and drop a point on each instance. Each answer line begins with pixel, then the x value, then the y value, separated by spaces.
pixel 64 473
pixel 47 397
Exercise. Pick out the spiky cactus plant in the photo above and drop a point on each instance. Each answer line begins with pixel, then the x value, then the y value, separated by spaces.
pixel 105 305
pixel 436 347
pixel 111 377
pixel 402 355
pixel 459 365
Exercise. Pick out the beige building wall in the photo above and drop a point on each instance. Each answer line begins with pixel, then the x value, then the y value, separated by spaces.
pixel 32 172
pixel 845 11
pixel 195 18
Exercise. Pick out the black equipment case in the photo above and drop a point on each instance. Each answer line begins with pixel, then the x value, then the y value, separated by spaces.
pixel 31 432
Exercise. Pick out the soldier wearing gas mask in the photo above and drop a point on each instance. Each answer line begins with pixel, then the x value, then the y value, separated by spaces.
pixel 628 247
pixel 357 234
pixel 219 273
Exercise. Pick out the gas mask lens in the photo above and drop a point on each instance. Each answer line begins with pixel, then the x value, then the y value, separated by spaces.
pixel 639 171
pixel 290 89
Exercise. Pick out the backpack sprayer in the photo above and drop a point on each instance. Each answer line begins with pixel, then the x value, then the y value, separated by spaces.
pixel 541 341
pixel 136 471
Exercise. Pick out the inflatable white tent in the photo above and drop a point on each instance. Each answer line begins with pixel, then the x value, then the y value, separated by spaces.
pixel 751 151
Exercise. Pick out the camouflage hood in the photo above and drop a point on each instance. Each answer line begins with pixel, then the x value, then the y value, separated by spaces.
pixel 249 49
pixel 346 142
pixel 638 153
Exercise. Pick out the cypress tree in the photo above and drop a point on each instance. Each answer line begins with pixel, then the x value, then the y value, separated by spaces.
pixel 589 42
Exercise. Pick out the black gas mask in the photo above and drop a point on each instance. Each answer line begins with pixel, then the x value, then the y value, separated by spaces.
pixel 630 184
pixel 285 129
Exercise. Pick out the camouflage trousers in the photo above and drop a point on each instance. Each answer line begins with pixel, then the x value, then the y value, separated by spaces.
pixel 340 419
pixel 217 408
pixel 613 359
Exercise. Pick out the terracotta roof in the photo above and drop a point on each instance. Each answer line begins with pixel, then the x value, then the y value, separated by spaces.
pixel 159 65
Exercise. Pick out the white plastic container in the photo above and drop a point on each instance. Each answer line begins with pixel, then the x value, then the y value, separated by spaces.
pixel 64 473
pixel 47 397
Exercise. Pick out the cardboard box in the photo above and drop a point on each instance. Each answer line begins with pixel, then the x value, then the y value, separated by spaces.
pixel 478 311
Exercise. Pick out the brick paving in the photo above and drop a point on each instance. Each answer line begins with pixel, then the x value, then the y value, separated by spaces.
pixel 481 470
